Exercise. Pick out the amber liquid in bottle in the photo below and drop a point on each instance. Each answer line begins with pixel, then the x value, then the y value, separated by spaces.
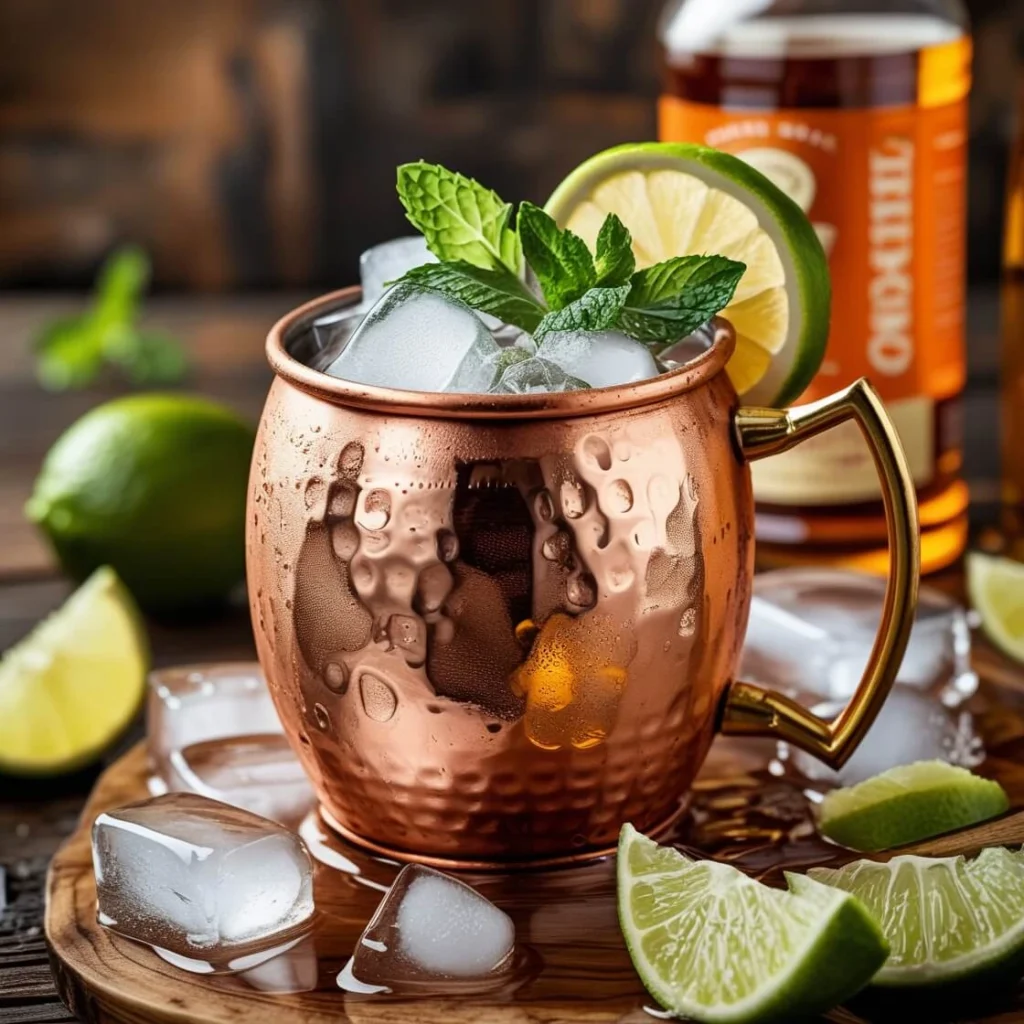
pixel 829 83
pixel 1012 361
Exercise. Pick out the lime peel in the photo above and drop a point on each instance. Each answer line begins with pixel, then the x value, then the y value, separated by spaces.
pixel 908 803
pixel 972 912
pixel 791 953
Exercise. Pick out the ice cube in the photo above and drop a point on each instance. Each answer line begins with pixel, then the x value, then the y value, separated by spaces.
pixel 420 341
pixel 328 335
pixel 529 376
pixel 388 262
pixel 602 358
pixel 259 773
pixel 431 926
pixel 192 875
pixel 684 351
pixel 811 630
pixel 195 703
pixel 910 727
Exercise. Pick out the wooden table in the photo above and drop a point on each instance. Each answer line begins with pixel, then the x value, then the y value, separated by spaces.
pixel 225 339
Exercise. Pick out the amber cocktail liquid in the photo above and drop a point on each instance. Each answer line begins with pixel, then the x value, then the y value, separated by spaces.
pixel 858 112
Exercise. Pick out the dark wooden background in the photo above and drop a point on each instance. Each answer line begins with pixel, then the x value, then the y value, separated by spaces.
pixel 253 143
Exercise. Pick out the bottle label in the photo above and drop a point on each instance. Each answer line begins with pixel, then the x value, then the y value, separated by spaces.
pixel 884 188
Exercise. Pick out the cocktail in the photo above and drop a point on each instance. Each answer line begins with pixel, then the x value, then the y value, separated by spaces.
pixel 500 557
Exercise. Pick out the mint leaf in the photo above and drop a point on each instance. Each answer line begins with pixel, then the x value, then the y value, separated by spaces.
pixel 120 286
pixel 498 292
pixel 669 300
pixel 69 354
pixel 459 218
pixel 560 259
pixel 147 357
pixel 614 257
pixel 597 310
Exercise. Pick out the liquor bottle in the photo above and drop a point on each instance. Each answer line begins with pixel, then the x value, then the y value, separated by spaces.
pixel 857 110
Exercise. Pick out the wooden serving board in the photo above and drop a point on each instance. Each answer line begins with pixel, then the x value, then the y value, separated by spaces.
pixel 575 967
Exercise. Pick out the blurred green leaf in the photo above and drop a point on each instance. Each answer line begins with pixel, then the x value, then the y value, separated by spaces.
pixel 149 357
pixel 71 353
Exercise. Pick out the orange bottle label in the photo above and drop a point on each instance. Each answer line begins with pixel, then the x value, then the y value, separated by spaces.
pixel 884 188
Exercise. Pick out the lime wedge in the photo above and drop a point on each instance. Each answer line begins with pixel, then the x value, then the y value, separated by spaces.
pixel 945 918
pixel 713 945
pixel 996 588
pixel 908 803
pixel 73 684
pixel 679 199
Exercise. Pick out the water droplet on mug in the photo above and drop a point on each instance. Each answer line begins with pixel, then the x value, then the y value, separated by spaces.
pixel 376 510
pixel 596 450
pixel 447 546
pixel 314 491
pixel 688 622
pixel 620 577
pixel 351 459
pixel 336 677
pixel 620 496
pixel 323 719
pixel 494 726
pixel 379 700
pixel 545 506
pixel 622 451
pixel 692 488
pixel 573 501
pixel 582 591
pixel 341 502
pixel 345 540
pixel 432 587
pixel 557 548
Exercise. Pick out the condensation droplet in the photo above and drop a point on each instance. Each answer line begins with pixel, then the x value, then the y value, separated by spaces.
pixel 314 491
pixel 376 510
pixel 323 719
pixel 379 700
pixel 622 451
pixel 688 622
pixel 447 546
pixel 351 459
pixel 345 540
pixel 545 506
pixel 557 548
pixel 494 726
pixel 336 677
pixel 643 535
pixel 667 646
pixel 692 488
pixel 573 501
pixel 341 502
pixel 620 496
pixel 596 450
pixel 582 591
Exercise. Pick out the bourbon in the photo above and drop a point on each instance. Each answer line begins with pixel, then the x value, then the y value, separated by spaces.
pixel 858 112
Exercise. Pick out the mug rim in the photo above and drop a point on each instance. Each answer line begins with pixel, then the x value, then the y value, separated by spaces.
pixel 458 405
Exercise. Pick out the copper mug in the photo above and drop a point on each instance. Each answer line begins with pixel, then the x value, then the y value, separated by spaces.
pixel 497 627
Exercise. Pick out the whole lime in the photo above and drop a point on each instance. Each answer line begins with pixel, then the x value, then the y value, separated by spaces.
pixel 155 486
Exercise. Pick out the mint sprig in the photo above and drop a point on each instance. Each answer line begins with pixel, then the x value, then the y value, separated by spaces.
pixel 481 247
pixel 559 259
pixel 72 352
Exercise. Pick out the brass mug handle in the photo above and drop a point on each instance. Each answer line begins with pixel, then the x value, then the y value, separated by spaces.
pixel 751 710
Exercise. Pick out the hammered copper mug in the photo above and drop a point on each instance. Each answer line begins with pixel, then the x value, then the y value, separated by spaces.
pixel 496 627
